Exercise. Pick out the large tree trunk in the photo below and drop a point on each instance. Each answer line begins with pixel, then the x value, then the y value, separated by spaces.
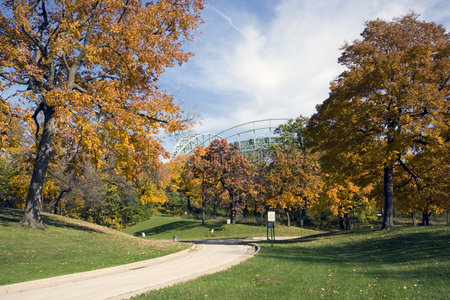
pixel 32 217
pixel 388 217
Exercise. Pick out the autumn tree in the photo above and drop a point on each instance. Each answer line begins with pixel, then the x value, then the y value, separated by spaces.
pixel 88 72
pixel 424 185
pixel 293 181
pixel 343 198
pixel 182 180
pixel 293 178
pixel 199 166
pixel 390 104
pixel 230 168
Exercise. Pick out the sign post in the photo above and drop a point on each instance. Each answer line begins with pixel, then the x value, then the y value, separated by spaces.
pixel 271 226
pixel 301 223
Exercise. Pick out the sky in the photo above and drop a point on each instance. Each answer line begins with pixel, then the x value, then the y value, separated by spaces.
pixel 258 59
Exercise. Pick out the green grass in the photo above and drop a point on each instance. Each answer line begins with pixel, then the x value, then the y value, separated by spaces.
pixel 404 263
pixel 67 246
pixel 164 228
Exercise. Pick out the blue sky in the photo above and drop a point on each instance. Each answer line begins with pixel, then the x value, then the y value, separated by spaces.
pixel 257 59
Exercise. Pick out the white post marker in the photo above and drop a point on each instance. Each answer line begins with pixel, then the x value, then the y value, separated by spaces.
pixel 143 234
pixel 271 216
pixel 271 226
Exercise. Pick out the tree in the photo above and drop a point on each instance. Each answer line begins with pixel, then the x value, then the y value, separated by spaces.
pixel 230 168
pixel 182 180
pixel 343 198
pixel 91 69
pixel 293 180
pixel 390 104
pixel 199 166
pixel 424 185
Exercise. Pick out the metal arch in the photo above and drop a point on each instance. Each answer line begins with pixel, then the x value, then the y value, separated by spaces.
pixel 187 144
pixel 180 147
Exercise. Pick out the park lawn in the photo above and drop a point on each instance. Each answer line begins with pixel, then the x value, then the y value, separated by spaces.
pixel 67 246
pixel 164 228
pixel 403 263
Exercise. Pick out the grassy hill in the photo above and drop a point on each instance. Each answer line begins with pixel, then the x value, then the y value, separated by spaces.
pixel 164 228
pixel 403 263
pixel 67 246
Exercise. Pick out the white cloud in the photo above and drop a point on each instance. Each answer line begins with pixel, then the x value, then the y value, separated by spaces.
pixel 254 70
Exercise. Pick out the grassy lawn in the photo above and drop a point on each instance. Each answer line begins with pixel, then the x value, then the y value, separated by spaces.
pixel 67 246
pixel 164 228
pixel 404 263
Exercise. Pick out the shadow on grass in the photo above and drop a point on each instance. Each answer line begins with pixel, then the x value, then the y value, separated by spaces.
pixel 426 252
pixel 178 226
pixel 51 221
pixel 10 217
pixel 13 217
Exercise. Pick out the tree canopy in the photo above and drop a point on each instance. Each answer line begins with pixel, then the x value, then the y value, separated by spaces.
pixel 91 68
pixel 390 105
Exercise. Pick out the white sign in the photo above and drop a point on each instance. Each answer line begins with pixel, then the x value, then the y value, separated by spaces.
pixel 271 216
pixel 228 221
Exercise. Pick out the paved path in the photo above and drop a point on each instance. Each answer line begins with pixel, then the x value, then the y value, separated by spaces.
pixel 123 282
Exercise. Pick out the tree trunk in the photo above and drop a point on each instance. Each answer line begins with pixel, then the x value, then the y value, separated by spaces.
pixel 203 212
pixel 245 211
pixel 55 207
pixel 189 207
pixel 232 213
pixel 305 208
pixel 425 218
pixel 413 217
pixel 32 215
pixel 288 218
pixel 347 221
pixel 388 217
pixel 341 223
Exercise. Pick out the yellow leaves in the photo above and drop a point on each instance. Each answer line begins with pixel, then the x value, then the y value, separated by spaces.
pixel 99 72
pixel 150 192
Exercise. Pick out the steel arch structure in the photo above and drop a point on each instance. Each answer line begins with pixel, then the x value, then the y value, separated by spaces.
pixel 250 137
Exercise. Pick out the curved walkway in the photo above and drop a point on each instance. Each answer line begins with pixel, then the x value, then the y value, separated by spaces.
pixel 123 282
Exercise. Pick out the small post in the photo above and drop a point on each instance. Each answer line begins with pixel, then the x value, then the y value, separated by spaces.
pixel 301 230
pixel 271 225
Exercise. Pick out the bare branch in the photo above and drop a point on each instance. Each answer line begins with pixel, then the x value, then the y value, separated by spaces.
pixel 35 40
pixel 45 17
pixel 414 176
pixel 40 108
pixel 79 88
pixel 153 119
pixel 442 85
pixel 124 11
pixel 9 78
